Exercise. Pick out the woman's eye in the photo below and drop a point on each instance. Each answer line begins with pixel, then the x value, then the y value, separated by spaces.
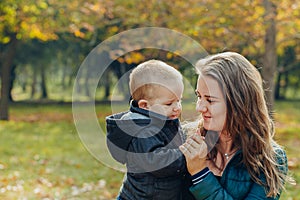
pixel 210 101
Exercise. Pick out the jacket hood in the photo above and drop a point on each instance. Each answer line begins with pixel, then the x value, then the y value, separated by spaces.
pixel 120 132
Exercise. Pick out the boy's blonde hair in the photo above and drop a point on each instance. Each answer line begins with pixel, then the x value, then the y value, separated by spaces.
pixel 149 75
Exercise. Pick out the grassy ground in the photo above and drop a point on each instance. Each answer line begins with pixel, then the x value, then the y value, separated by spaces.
pixel 42 156
pixel 287 117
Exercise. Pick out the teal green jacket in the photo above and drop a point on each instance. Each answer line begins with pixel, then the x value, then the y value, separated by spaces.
pixel 235 182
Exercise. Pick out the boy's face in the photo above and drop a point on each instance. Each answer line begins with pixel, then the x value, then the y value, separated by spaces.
pixel 167 103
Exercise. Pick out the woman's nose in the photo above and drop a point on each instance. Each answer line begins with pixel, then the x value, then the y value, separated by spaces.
pixel 201 107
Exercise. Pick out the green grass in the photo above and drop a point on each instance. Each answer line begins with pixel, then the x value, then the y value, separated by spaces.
pixel 287 117
pixel 42 155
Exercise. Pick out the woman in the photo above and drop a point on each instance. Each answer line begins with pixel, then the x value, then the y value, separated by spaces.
pixel 244 162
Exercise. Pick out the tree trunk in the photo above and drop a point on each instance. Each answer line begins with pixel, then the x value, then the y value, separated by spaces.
pixel 11 82
pixel 277 86
pixel 270 55
pixel 286 84
pixel 123 78
pixel 6 76
pixel 106 85
pixel 65 73
pixel 296 88
pixel 43 84
pixel 64 77
pixel 33 84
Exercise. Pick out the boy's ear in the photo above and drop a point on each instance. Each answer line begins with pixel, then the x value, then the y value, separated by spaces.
pixel 143 104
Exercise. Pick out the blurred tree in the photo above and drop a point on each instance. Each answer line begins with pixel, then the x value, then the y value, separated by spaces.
pixel 20 20
pixel 288 40
pixel 23 20
pixel 34 54
pixel 288 75
pixel 270 53
pixel 258 29
pixel 248 27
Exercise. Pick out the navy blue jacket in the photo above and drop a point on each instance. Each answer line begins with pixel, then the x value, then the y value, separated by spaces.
pixel 156 169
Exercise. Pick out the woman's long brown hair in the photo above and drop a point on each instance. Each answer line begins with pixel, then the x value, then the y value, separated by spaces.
pixel 247 118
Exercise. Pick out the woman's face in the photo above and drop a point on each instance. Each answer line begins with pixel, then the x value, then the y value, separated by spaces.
pixel 211 103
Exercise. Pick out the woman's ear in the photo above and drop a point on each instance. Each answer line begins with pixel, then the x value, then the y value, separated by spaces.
pixel 143 104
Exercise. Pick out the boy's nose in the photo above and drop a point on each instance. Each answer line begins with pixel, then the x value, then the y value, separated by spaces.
pixel 177 106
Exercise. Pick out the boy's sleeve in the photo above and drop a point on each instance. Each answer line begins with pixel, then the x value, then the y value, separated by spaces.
pixel 152 155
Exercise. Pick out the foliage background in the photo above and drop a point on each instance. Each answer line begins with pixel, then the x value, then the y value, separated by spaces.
pixel 43 43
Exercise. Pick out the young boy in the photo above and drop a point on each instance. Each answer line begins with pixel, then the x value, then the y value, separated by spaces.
pixel 146 138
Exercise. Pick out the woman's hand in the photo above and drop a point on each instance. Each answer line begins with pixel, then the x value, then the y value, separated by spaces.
pixel 195 152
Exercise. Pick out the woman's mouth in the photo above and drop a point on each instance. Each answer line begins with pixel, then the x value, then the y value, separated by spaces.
pixel 206 117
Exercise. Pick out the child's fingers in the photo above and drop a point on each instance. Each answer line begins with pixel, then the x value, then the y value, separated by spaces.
pixel 188 150
pixel 199 146
pixel 194 144
pixel 198 138
pixel 185 150
pixel 182 149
